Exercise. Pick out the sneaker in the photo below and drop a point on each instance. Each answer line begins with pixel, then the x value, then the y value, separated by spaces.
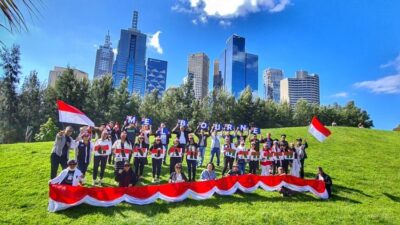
pixel 158 180
pixel 94 182
pixel 101 182
pixel 153 181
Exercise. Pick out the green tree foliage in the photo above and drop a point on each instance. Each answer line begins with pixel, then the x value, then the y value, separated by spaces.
pixel 99 99
pixel 47 131
pixel 119 107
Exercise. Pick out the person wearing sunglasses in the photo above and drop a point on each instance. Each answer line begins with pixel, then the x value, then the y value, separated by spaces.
pixel 60 152
pixel 178 176
pixel 83 152
pixel 122 149
pixel 175 155
pixel 140 156
pixel 126 177
pixel 192 156
pixel 157 156
pixel 70 176
pixel 102 149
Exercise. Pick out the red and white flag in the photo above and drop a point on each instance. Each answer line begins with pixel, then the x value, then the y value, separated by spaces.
pixel 318 130
pixel 69 114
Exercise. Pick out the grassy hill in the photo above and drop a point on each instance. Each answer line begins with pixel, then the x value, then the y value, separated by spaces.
pixel 364 165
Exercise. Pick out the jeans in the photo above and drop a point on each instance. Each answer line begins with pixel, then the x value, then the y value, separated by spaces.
pixel 242 166
pixel 202 151
pixel 215 151
pixel 165 155
pixel 55 162
pixel 139 163
pixel 99 161
pixel 156 166
pixel 302 168
pixel 253 167
pixel 191 169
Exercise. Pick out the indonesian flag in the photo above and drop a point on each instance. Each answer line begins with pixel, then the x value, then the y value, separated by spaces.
pixel 318 130
pixel 69 114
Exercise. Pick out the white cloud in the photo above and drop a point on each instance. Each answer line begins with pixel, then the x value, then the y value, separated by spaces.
pixel 385 85
pixel 154 42
pixel 225 23
pixel 203 19
pixel 393 63
pixel 194 21
pixel 228 9
pixel 340 95
pixel 115 50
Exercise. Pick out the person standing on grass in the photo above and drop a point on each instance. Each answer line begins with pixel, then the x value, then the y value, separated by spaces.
pixel 202 135
pixel 178 176
pixel 208 173
pixel 182 134
pixel 242 156
pixel 131 132
pixel 215 145
pixel 283 141
pixel 146 132
pixel 241 135
pixel 157 154
pixel 296 165
pixel 275 150
pixel 321 175
pixel 60 152
pixel 192 155
pixel 265 160
pixel 69 176
pixel 254 157
pixel 140 156
pixel 175 155
pixel 83 152
pixel 102 149
pixel 300 146
pixel 122 150
pixel 267 140
pixel 165 135
pixel 229 151
pixel 125 176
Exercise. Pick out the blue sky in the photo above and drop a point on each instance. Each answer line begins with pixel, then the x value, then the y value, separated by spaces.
pixel 353 45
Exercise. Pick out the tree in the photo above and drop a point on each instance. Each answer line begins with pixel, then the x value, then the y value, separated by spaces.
pixel 13 14
pixel 49 106
pixel 302 113
pixel 151 107
pixel 222 106
pixel 99 99
pixel 397 128
pixel 171 106
pixel 244 110
pixel 47 131
pixel 119 108
pixel 9 123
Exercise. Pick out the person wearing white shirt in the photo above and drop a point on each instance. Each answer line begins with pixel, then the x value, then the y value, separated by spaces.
pixel 102 149
pixel 215 145
pixel 122 149
pixel 69 176
pixel 229 151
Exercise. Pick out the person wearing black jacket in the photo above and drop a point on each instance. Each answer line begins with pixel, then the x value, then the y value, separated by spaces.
pixel 140 151
pixel 131 131
pixel 202 135
pixel 157 151
pixel 182 134
pixel 192 155
pixel 325 178
pixel 126 177
pixel 300 144
pixel 164 135
pixel 267 140
pixel 178 176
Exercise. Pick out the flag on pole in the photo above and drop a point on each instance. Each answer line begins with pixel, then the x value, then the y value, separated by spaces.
pixel 318 130
pixel 69 114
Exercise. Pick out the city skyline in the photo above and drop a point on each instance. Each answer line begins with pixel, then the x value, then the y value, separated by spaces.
pixel 343 42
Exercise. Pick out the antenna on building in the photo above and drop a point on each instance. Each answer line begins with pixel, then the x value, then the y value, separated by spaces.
pixel 135 20
pixel 107 42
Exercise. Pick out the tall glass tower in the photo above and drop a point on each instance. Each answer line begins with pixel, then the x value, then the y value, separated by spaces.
pixel 238 69
pixel 156 75
pixel 104 59
pixel 130 60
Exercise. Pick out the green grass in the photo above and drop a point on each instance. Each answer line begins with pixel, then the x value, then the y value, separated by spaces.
pixel 364 165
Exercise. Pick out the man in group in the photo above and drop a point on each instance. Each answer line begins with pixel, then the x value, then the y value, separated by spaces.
pixel 215 145
pixel 303 157
pixel 202 135
pixel 131 132
pixel 60 152
pixel 164 135
pixel 267 140
pixel 69 176
pixel 182 134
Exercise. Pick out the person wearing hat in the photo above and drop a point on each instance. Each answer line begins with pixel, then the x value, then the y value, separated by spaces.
pixel 83 152
pixel 175 155
pixel 192 156
pixel 60 152
pixel 182 134
pixel 229 151
pixel 122 149
pixel 301 148
pixel 234 171
pixel 125 176
pixel 178 175
pixel 157 154
pixel 69 176
pixel 140 156
pixel 102 149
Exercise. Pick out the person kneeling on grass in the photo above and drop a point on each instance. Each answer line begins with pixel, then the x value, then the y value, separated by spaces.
pixel 284 191
pixel 126 177
pixel 325 178
pixel 234 171
pixel 208 173
pixel 178 176
pixel 69 176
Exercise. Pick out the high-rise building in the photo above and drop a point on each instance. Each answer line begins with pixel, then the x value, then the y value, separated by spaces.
pixel 272 84
pixel 199 65
pixel 130 60
pixel 58 71
pixel 304 86
pixel 104 59
pixel 238 69
pixel 217 79
pixel 156 75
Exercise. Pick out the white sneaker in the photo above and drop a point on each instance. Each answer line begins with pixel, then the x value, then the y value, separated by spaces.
pixel 101 182
pixel 94 182
pixel 154 180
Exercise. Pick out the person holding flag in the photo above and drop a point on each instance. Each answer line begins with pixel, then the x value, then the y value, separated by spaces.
pixel 102 149
pixel 121 149
pixel 202 134
pixel 60 152
pixel 229 151
pixel 140 156
pixel 157 154
pixel 192 155
pixel 175 155
pixel 165 135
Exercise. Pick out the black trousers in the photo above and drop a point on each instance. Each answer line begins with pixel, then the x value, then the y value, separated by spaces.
pixel 99 161
pixel 172 162
pixel 111 158
pixel 228 162
pixel 253 167
pixel 139 163
pixel 82 166
pixel 183 146
pixel 55 161
pixel 285 166
pixel 156 166
pixel 302 168
pixel 192 165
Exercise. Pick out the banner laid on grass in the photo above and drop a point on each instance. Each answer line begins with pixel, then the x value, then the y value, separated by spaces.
pixel 62 196
pixel 70 114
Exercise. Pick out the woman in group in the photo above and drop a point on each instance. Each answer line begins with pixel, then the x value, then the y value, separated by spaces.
pixel 157 155
pixel 175 155
pixel 126 177
pixel 208 173
pixel 69 176
pixel 284 161
pixel 83 152
pixel 229 151
pixel 192 155
pixel 102 149
pixel 178 176
pixel 266 162
pixel 121 149
pixel 140 156
pixel 146 132
pixel 242 156
pixel 254 157
pixel 275 150
pixel 296 165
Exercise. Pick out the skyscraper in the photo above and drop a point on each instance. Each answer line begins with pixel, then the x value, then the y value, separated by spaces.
pixel 198 65
pixel 104 58
pixel 58 71
pixel 156 75
pixel 130 60
pixel 304 86
pixel 272 84
pixel 217 80
pixel 238 69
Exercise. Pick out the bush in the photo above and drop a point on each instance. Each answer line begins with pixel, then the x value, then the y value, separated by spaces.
pixel 47 131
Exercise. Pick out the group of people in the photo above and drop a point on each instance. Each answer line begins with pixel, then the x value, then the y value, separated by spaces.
pixel 118 146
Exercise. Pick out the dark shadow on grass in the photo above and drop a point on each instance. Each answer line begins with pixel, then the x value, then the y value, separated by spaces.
pixel 392 197
pixel 340 188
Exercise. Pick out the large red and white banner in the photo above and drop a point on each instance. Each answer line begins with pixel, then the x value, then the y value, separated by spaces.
pixel 64 196
pixel 70 114
pixel 318 130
